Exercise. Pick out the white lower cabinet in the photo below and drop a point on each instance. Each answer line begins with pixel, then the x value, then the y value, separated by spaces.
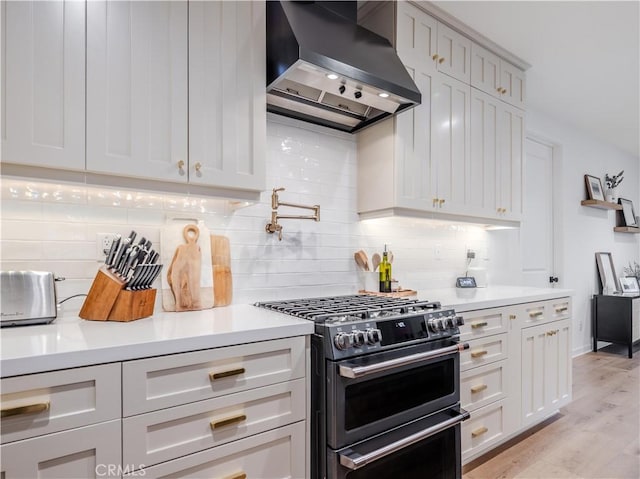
pixel 484 429
pixel 274 454
pixel 546 371
pixel 163 435
pixel 516 372
pixel 81 453
pixel 231 412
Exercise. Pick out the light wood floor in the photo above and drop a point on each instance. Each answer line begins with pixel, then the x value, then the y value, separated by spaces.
pixel 596 436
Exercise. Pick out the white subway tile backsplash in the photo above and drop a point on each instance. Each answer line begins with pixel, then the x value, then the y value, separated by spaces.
pixel 53 227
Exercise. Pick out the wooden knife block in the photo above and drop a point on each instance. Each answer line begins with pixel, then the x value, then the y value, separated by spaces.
pixel 109 301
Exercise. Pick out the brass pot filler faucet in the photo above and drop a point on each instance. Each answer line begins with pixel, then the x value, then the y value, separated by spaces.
pixel 273 226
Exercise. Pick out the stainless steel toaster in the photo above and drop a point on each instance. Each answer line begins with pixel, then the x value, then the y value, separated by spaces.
pixel 27 297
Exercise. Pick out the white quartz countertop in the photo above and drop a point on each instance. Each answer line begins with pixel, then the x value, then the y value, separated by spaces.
pixel 73 342
pixel 469 299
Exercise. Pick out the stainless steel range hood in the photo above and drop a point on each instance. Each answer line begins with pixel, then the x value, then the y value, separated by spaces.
pixel 322 67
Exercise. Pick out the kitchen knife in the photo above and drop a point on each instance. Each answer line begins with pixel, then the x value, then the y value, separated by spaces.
pixel 147 269
pixel 135 277
pixel 154 275
pixel 112 251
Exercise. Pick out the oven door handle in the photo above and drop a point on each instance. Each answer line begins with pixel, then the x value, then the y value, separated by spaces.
pixel 353 372
pixel 353 460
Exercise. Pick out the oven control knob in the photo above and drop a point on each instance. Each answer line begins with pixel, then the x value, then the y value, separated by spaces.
pixel 459 321
pixel 357 338
pixel 451 322
pixel 373 336
pixel 342 341
pixel 436 325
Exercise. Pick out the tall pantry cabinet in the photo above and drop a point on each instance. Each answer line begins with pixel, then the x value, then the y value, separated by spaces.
pixel 174 90
pixel 459 153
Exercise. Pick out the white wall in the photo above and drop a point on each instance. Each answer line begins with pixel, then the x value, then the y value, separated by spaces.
pixel 584 231
pixel 52 227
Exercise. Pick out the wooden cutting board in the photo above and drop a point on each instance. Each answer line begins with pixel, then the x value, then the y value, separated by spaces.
pixel 187 280
pixel 221 263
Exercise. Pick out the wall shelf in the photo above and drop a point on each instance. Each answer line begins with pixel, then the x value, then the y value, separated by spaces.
pixel 603 205
pixel 627 229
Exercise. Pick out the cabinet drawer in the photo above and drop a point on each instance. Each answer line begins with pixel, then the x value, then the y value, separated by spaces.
pixel 537 313
pixel 157 383
pixel 38 404
pixel 484 351
pixel 482 386
pixel 163 435
pixel 277 453
pixel 82 453
pixel 484 322
pixel 485 428
pixel 559 309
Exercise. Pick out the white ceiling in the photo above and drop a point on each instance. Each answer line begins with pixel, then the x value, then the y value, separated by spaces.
pixel 584 59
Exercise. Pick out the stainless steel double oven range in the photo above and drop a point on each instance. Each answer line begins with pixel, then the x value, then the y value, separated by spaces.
pixel 385 387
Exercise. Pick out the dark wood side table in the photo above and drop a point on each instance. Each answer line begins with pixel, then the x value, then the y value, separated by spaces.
pixel 615 319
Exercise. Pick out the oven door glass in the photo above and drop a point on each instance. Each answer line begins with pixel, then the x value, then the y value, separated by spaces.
pixel 362 407
pixel 436 456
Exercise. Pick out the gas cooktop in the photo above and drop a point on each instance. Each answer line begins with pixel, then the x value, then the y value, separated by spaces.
pixel 355 307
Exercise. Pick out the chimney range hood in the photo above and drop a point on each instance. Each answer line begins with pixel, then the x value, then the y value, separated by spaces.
pixel 322 67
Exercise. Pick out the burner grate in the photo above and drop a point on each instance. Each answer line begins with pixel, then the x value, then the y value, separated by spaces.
pixel 356 306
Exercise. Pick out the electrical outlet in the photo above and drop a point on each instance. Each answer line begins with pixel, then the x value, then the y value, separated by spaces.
pixel 103 245
pixel 471 254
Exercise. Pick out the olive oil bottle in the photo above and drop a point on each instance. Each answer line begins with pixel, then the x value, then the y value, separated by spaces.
pixel 385 272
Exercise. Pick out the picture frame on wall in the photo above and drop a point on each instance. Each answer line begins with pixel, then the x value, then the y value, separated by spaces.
pixel 608 277
pixel 628 212
pixel 629 285
pixel 594 187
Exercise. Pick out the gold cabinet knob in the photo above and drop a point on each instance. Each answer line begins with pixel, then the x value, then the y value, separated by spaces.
pixel 435 57
pixel 181 167
pixel 441 202
pixel 435 201
pixel 512 316
pixel 441 60
pixel 197 166
pixel 504 90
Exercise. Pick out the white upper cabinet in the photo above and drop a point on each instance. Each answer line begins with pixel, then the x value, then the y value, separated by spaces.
pixel 451 125
pixel 497 144
pixel 137 89
pixel 454 54
pixel 497 77
pixel 43 71
pixel 227 102
pixel 431 43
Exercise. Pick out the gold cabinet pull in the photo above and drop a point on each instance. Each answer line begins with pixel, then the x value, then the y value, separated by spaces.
pixel 504 90
pixel 28 409
pixel 479 432
pixel 478 388
pixel 441 60
pixel 478 354
pixel 479 324
pixel 227 421
pixel 435 201
pixel 181 166
pixel 435 56
pixel 535 314
pixel 226 374
pixel 562 309
pixel 237 475
pixel 512 316
pixel 198 166
pixel 441 202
